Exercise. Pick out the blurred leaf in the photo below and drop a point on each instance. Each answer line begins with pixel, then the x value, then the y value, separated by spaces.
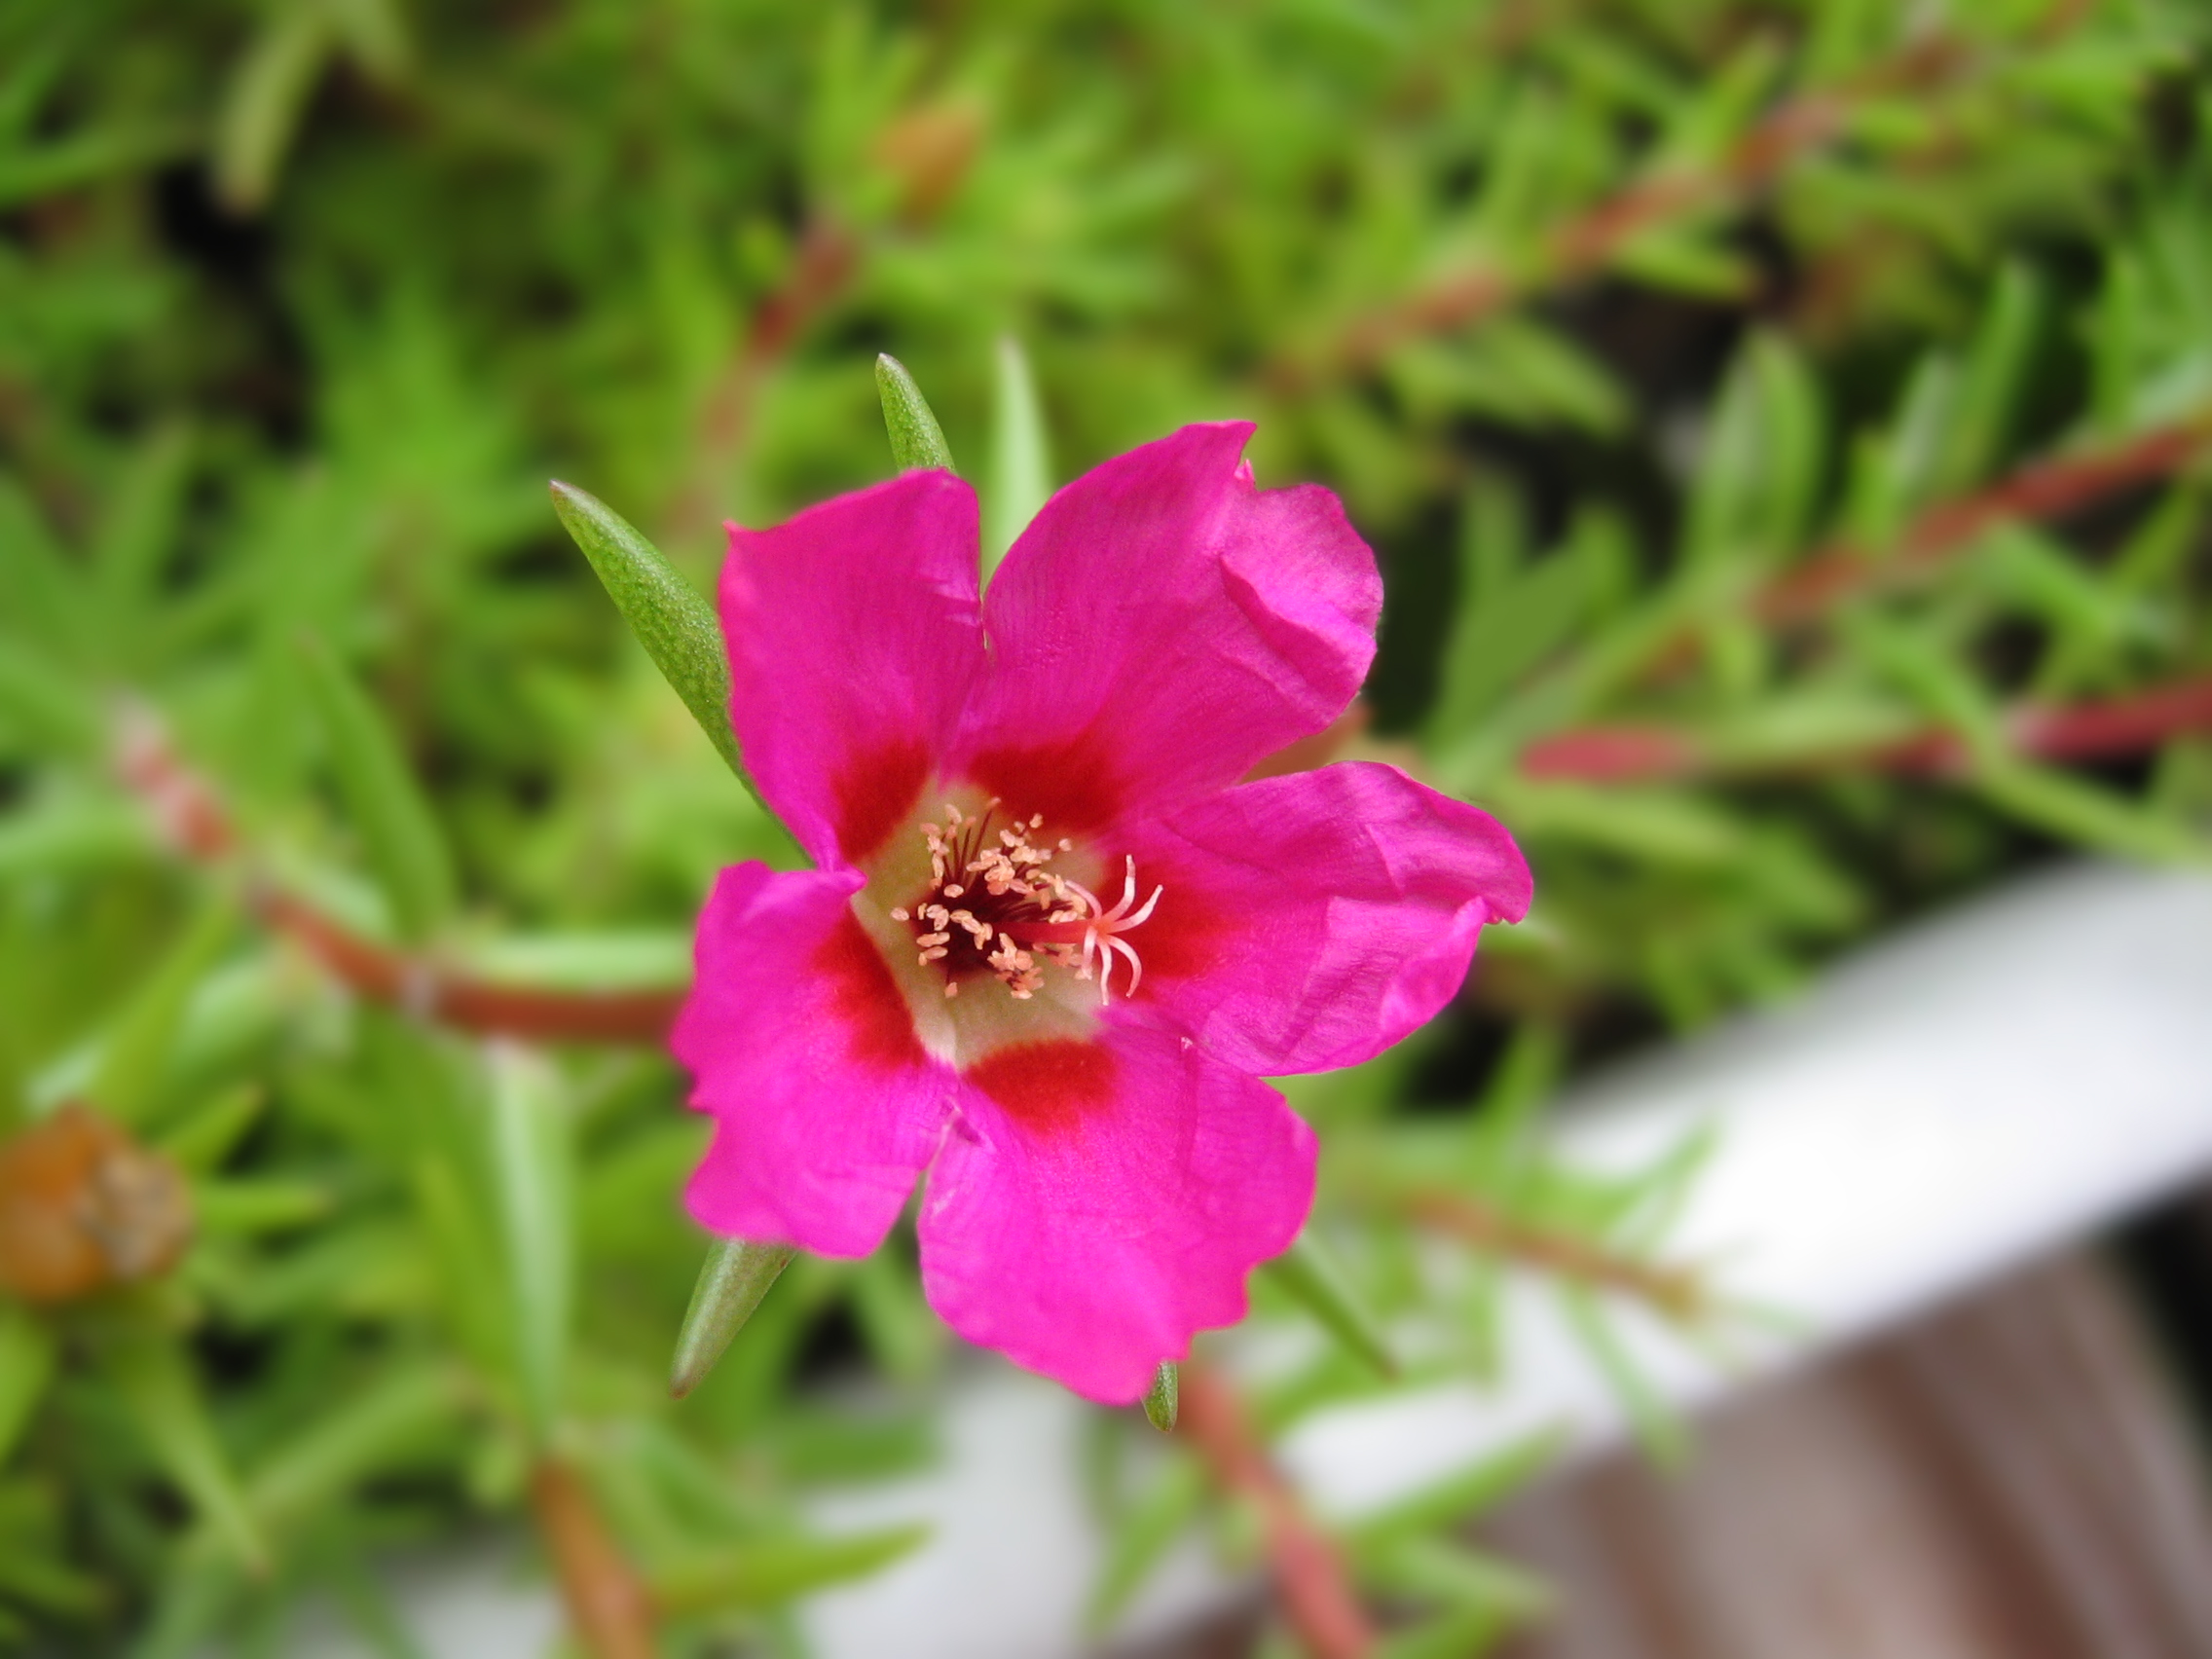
pixel 903 1335
pixel 374 1610
pixel 1985 405
pixel 744 1577
pixel 374 35
pixel 27 1356
pixel 1311 1277
pixel 398 828
pixel 1453 1499
pixel 374 1423
pixel 1459 1577
pixel 1756 480
pixel 530 1162
pixel 269 1205
pixel 140 526
pixel 1452 1634
pixel 137 1051
pixel 1142 1536
pixel 1510 623
pixel 268 91
pixel 156 1382
pixel 1021 469
pixel 40 706
pixel 200 1141
pixel 2081 811
pixel 1658 1429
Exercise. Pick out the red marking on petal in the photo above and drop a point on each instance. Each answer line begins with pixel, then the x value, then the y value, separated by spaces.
pixel 864 994
pixel 876 792
pixel 1072 782
pixel 1046 1087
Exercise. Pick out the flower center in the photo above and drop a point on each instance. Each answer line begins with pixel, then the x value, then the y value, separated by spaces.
pixel 993 906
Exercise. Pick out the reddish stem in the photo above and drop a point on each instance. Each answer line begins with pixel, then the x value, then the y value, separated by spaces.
pixel 1310 1571
pixel 193 817
pixel 2042 489
pixel 1582 244
pixel 2107 730
pixel 827 257
pixel 607 1602
pixel 483 1006
pixel 1673 1292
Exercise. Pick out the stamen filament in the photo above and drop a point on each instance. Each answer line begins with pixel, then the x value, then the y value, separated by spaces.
pixel 1029 914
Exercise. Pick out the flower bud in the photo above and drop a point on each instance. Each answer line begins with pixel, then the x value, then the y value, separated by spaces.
pixel 83 1208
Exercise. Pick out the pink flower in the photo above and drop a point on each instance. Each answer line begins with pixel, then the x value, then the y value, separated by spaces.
pixel 1051 944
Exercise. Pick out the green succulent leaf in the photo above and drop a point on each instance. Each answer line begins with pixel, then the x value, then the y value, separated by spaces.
pixel 677 627
pixel 741 1577
pixel 736 1275
pixel 1021 467
pixel 1309 1275
pixel 397 827
pixel 1163 1399
pixel 917 442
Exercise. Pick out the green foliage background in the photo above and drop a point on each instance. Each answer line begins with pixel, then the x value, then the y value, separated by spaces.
pixel 1601 314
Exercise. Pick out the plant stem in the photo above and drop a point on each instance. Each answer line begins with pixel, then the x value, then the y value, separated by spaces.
pixel 2110 729
pixel 1673 1292
pixel 1581 245
pixel 607 1602
pixel 1310 1570
pixel 2046 489
pixel 194 817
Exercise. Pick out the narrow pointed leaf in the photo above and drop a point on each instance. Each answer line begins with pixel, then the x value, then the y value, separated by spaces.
pixel 1162 1399
pixel 28 1352
pixel 201 1141
pixel 378 1424
pixel 742 1576
pixel 531 1164
pixel 902 1335
pixel 1441 1569
pixel 1462 1495
pixel 1020 465
pixel 1452 1634
pixel 736 1275
pixel 137 1050
pixel 677 627
pixel 917 442
pixel 157 1386
pixel 261 115
pixel 398 831
pixel 1310 1277
pixel 139 527
pixel 1142 1536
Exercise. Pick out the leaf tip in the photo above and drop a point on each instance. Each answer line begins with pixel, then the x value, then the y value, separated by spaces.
pixel 1162 1398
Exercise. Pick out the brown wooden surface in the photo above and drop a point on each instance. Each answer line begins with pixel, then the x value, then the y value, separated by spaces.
pixel 2008 1479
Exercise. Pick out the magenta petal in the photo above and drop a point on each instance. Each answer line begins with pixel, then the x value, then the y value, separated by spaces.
pixel 799 1044
pixel 1311 921
pixel 1096 1203
pixel 1161 626
pixel 854 636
